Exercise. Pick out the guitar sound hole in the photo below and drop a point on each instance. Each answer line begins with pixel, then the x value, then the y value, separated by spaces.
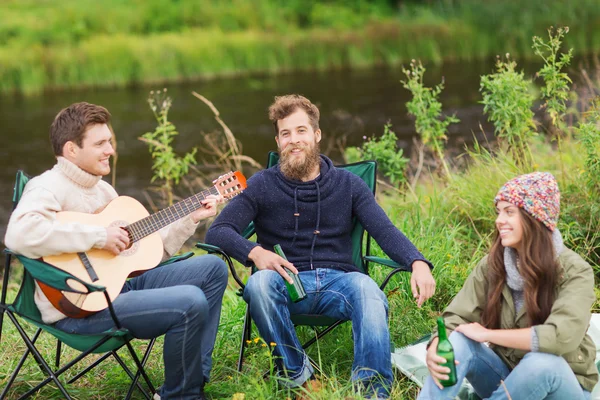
pixel 133 246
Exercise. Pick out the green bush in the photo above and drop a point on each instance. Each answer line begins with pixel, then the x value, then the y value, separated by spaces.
pixel 427 110
pixel 385 150
pixel 508 102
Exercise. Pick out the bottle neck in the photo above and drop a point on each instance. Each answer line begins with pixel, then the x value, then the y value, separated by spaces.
pixel 441 329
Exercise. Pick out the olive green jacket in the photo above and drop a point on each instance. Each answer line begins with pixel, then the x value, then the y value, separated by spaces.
pixel 563 333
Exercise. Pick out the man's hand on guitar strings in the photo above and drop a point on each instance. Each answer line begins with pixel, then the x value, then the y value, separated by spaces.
pixel 208 209
pixel 117 240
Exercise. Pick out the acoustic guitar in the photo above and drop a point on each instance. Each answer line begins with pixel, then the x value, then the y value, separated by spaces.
pixel 103 268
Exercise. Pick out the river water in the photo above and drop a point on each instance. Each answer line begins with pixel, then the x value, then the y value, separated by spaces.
pixel 353 104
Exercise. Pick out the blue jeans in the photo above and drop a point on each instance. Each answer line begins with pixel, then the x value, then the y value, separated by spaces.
pixel 536 376
pixel 181 301
pixel 337 294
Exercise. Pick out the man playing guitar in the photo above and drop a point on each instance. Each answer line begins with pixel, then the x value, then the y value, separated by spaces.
pixel 181 301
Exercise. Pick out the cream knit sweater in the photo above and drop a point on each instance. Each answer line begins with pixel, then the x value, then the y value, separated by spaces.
pixel 34 232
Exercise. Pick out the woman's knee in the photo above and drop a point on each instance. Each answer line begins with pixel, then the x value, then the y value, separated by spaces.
pixel 462 345
pixel 540 364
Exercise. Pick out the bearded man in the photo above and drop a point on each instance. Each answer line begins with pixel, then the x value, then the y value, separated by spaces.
pixel 306 205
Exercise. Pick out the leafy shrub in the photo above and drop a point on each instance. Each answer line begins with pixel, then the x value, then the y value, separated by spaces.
pixel 507 101
pixel 384 149
pixel 427 111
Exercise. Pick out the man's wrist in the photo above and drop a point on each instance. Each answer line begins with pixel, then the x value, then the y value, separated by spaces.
pixel 253 253
pixel 419 264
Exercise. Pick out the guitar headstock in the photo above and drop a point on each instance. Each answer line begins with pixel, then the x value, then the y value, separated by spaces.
pixel 231 184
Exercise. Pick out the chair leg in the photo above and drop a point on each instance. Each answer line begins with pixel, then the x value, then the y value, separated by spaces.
pixel 4 291
pixel 58 351
pixel 140 367
pixel 246 333
pixel 129 374
pixel 138 373
pixel 89 368
pixel 320 334
pixel 19 366
pixel 40 360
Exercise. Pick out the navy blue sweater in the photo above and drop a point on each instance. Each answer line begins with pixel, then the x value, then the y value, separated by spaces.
pixel 311 220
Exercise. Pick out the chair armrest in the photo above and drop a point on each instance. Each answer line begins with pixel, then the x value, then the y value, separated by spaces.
pixel 396 268
pixel 209 248
pixel 387 262
pixel 173 259
pixel 217 250
pixel 54 277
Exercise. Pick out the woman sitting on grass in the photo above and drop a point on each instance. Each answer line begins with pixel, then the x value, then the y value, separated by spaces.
pixel 519 323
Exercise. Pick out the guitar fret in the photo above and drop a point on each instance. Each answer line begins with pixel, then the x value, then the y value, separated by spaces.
pixel 159 220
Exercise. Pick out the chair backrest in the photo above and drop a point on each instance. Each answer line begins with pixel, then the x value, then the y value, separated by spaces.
pixel 20 181
pixel 367 171
pixel 24 303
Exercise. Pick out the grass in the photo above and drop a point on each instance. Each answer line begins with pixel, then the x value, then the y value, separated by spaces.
pixel 50 46
pixel 449 222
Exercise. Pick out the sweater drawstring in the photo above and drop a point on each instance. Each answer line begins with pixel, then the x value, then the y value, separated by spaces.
pixel 296 215
pixel 316 232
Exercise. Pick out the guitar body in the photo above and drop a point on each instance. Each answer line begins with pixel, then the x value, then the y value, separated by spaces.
pixel 103 268
pixel 112 271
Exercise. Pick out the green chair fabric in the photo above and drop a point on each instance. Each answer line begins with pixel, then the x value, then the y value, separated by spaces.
pixel 24 306
pixel 361 254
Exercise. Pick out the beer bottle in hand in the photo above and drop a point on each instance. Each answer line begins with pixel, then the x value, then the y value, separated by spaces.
pixel 296 289
pixel 445 350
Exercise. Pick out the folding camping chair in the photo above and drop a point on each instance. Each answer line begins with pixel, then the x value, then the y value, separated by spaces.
pixel 367 171
pixel 23 306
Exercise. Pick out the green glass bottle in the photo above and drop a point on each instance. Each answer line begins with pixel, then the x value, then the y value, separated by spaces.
pixel 296 290
pixel 445 350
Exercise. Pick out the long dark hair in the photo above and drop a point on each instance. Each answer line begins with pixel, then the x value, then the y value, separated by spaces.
pixel 538 267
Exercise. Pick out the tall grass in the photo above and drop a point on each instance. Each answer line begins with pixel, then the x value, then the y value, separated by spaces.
pixel 46 45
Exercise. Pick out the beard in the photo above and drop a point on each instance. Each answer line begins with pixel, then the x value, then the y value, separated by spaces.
pixel 297 168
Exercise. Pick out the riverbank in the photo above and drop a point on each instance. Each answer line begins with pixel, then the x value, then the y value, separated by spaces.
pixel 48 48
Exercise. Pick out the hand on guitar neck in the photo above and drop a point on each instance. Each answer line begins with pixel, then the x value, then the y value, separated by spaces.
pixel 209 208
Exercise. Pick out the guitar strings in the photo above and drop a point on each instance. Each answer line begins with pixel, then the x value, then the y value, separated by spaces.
pixel 150 224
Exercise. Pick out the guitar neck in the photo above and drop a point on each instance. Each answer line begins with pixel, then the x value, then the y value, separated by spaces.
pixel 152 223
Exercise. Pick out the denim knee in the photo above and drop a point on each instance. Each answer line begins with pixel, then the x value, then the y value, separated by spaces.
pixel 462 345
pixel 220 270
pixel 367 293
pixel 544 365
pixel 262 284
pixel 192 302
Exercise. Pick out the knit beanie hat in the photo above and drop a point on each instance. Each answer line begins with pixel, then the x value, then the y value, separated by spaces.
pixel 537 193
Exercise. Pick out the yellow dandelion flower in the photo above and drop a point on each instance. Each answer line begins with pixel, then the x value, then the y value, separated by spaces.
pixel 264 345
pixel 256 340
pixel 272 344
pixel 248 341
